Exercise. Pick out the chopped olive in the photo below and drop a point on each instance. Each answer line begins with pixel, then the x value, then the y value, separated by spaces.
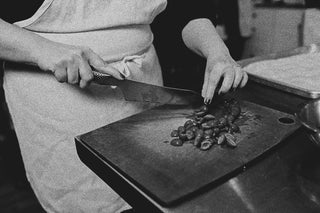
pixel 234 128
pixel 208 132
pixel 197 140
pixel 201 113
pixel 213 123
pixel 203 108
pixel 223 121
pixel 235 111
pixel 189 123
pixel 182 136
pixel 208 117
pixel 206 127
pixel 216 130
pixel 174 133
pixel 221 139
pixel 231 140
pixel 193 128
pixel 206 144
pixel 181 129
pixel 176 142
pixel 190 134
pixel 200 120
pixel 230 119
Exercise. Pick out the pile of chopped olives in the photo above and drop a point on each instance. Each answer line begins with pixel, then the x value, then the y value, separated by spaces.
pixel 204 129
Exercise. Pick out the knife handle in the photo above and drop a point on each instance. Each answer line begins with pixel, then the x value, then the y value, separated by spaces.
pixel 105 79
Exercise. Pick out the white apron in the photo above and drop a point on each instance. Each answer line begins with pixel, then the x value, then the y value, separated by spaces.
pixel 47 115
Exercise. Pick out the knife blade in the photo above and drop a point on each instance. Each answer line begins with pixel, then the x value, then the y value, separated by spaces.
pixel 142 92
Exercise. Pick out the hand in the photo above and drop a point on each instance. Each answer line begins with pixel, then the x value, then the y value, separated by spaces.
pixel 73 64
pixel 233 77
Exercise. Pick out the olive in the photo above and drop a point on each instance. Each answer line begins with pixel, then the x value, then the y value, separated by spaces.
pixel 201 113
pixel 206 126
pixel 197 140
pixel 234 128
pixel 208 132
pixel 216 130
pixel 223 121
pixel 221 125
pixel 199 132
pixel 221 139
pixel 203 108
pixel 182 136
pixel 231 140
pixel 193 128
pixel 176 142
pixel 174 133
pixel 198 137
pixel 203 129
pixel 189 123
pixel 181 129
pixel 230 119
pixel 190 134
pixel 208 117
pixel 206 144
pixel 200 121
pixel 235 111
pixel 224 129
pixel 213 123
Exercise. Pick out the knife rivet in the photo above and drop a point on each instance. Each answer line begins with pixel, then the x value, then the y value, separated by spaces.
pixel 113 87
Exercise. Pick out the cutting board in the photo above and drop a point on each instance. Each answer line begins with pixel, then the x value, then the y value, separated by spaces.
pixel 135 148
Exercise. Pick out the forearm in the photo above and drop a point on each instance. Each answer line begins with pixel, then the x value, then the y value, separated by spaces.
pixel 17 44
pixel 200 36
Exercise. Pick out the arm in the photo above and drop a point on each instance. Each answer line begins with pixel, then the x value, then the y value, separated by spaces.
pixel 68 63
pixel 200 36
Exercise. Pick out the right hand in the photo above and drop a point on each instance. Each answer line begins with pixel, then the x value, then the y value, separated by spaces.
pixel 73 64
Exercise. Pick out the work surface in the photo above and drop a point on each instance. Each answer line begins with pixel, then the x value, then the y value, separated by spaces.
pixel 284 179
pixel 135 148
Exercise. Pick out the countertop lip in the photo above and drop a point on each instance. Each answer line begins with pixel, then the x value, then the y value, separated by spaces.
pixel 280 6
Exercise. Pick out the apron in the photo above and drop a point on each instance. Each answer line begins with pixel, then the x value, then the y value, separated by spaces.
pixel 47 115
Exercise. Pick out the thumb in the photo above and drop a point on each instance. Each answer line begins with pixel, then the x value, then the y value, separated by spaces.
pixel 99 65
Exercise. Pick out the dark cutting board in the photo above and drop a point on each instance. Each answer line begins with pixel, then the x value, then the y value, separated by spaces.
pixel 135 148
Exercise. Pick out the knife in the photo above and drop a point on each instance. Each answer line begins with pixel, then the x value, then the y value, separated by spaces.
pixel 142 92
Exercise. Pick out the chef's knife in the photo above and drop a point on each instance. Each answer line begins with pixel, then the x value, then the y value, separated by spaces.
pixel 142 92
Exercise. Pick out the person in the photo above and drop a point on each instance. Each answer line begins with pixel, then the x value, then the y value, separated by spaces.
pixel 55 100
pixel 184 68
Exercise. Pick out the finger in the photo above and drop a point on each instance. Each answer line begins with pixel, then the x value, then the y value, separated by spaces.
pixel 205 82
pixel 99 65
pixel 238 77
pixel 213 81
pixel 73 73
pixel 93 59
pixel 85 73
pixel 110 71
pixel 227 80
pixel 244 79
pixel 61 74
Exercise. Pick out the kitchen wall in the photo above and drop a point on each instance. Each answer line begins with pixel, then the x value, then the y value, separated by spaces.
pixel 276 26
